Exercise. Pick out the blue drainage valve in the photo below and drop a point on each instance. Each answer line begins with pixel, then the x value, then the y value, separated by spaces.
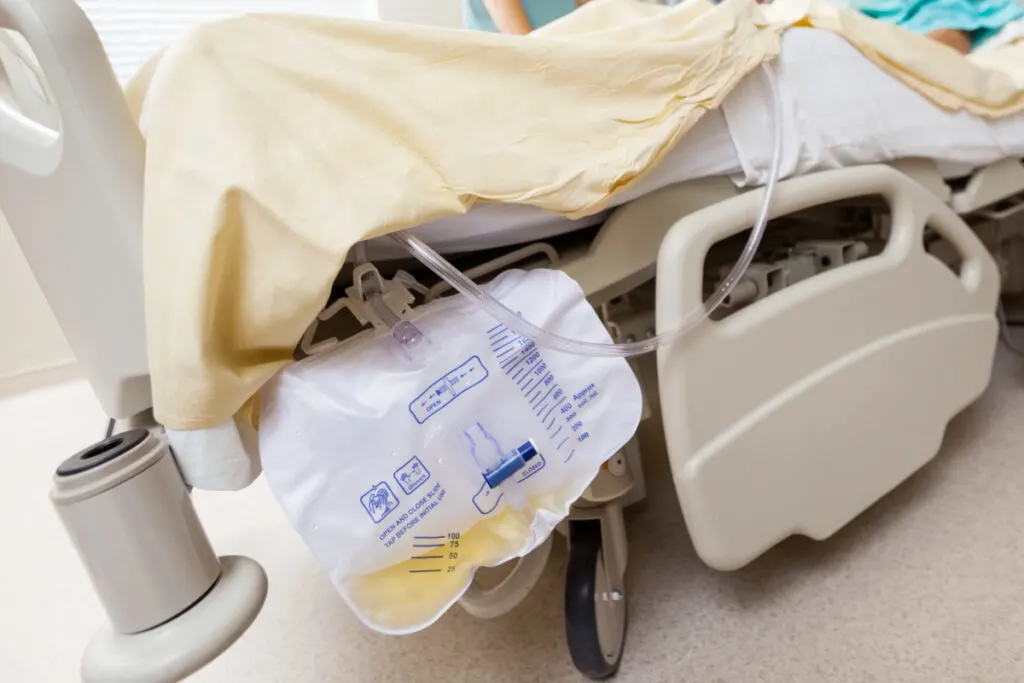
pixel 512 462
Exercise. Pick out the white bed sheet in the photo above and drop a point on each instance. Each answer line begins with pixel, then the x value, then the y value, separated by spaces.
pixel 840 110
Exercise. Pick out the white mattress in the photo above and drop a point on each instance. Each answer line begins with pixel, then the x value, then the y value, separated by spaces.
pixel 840 110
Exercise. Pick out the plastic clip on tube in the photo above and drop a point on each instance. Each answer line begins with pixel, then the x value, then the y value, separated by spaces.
pixel 542 337
pixel 407 336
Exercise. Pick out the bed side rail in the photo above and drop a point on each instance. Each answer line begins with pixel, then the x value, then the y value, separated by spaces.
pixel 798 412
pixel 71 175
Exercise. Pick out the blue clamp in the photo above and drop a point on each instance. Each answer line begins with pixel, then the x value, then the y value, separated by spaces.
pixel 513 461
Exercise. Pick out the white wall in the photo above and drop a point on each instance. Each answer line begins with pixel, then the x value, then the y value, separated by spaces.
pixel 132 30
pixel 447 13
pixel 30 339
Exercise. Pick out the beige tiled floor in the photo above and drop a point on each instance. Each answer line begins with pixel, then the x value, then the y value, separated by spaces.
pixel 927 586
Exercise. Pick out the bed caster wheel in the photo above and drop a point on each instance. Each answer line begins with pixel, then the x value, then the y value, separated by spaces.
pixel 595 613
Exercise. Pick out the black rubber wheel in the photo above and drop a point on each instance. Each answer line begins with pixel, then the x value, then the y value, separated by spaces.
pixel 595 623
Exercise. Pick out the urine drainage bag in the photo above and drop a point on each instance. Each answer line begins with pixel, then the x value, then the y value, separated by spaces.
pixel 403 476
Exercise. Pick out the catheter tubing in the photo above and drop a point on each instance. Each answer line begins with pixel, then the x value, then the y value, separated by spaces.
pixel 542 337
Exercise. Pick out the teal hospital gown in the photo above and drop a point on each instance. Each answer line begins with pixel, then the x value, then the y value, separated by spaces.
pixel 539 12
pixel 981 18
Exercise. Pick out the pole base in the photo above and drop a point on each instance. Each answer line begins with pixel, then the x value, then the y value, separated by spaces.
pixel 187 643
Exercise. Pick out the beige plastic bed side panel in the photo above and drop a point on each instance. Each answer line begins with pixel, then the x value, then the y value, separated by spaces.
pixel 990 184
pixel 74 200
pixel 624 253
pixel 796 414
pixel 925 173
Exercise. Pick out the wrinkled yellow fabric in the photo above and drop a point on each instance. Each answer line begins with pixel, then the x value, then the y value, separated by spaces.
pixel 274 143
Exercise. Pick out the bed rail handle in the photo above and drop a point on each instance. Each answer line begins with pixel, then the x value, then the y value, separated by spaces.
pixel 71 179
pixel 25 142
pixel 71 68
pixel 913 209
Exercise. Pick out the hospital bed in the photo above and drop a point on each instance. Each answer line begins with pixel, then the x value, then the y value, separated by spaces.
pixel 866 323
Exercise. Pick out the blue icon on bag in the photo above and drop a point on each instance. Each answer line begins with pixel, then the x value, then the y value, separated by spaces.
pixel 412 475
pixel 379 502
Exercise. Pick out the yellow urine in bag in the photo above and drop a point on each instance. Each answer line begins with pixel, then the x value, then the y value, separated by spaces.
pixel 411 595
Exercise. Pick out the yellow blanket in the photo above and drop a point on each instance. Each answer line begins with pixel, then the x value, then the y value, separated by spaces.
pixel 274 143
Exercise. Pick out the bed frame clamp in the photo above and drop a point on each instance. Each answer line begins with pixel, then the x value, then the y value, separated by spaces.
pixel 372 300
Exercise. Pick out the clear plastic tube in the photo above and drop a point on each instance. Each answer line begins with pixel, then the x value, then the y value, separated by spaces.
pixel 692 319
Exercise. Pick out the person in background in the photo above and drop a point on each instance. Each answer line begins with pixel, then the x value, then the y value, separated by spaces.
pixel 514 16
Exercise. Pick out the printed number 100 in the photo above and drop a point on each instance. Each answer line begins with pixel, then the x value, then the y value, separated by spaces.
pixel 453 556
